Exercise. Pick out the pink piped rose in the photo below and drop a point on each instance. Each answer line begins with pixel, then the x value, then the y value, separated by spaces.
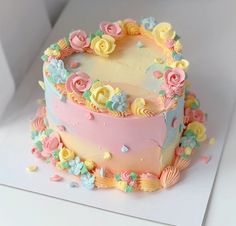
pixel 79 40
pixel 174 82
pixel 112 29
pixel 125 176
pixel 174 77
pixel 170 43
pixel 191 115
pixel 78 82
pixel 51 143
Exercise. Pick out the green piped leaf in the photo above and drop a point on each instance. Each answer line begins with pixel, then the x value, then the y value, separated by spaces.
pixel 133 176
pixel 162 92
pixel 48 132
pixel 84 169
pixel 129 189
pixel 87 95
pixel 177 37
pixel 39 145
pixel 65 165
pixel 109 105
pixel 117 177
pixel 44 58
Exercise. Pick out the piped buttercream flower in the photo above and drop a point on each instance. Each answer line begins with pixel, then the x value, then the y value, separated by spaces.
pixel 149 23
pixel 174 82
pixel 66 154
pixel 112 29
pixel 119 102
pixel 183 64
pixel 78 82
pixel 198 129
pixel 88 180
pixel 101 94
pixel 77 167
pixel 191 115
pixel 57 70
pixel 104 45
pixel 131 27
pixel 162 32
pixel 191 101
pixel 178 46
pixel 51 143
pixel 79 40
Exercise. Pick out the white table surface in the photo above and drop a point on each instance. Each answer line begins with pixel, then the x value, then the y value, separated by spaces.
pixel 18 207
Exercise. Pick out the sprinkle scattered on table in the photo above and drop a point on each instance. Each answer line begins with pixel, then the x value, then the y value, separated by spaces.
pixel 56 178
pixel 74 184
pixel 32 168
pixel 212 141
pixel 205 158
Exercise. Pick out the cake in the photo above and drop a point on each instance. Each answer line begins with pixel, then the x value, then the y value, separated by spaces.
pixel 118 112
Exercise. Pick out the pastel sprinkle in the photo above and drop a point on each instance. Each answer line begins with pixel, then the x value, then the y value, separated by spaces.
pixel 124 148
pixel 212 141
pixel 159 60
pixel 139 44
pixel 205 159
pixel 157 74
pixel 74 64
pixel 56 178
pixel 41 84
pixel 102 172
pixel 63 98
pixel 74 184
pixel 61 128
pixel 188 151
pixel 32 168
pixel 174 122
pixel 107 155
pixel 90 116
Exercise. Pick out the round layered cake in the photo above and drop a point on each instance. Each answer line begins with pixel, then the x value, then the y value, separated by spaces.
pixel 117 106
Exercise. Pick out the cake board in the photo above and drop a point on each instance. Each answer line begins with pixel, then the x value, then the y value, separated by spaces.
pixel 184 204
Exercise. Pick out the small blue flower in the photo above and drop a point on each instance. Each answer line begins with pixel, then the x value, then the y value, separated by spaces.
pixel 189 141
pixel 77 167
pixel 119 102
pixel 177 56
pixel 57 70
pixel 149 23
pixel 87 180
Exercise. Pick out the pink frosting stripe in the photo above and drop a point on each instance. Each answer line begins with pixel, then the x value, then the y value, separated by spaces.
pixel 107 131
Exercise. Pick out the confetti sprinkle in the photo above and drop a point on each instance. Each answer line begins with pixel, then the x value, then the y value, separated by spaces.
pixel 157 74
pixel 61 128
pixel 212 141
pixel 90 116
pixel 102 172
pixel 205 159
pixel 56 178
pixel 74 64
pixel 32 168
pixel 41 84
pixel 124 148
pixel 139 44
pixel 74 184
pixel 107 155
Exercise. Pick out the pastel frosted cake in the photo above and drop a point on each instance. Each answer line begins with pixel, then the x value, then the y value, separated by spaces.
pixel 117 110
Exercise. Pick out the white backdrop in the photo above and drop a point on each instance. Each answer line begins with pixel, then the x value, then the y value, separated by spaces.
pixel 24 26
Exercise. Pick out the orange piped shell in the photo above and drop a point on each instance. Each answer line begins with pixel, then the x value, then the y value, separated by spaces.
pixel 62 44
pixel 38 124
pixel 103 182
pixel 169 176
pixel 181 164
pixel 92 107
pixel 149 183
pixel 76 98
pixel 66 52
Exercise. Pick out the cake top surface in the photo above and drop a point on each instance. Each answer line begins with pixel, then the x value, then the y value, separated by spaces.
pixel 123 69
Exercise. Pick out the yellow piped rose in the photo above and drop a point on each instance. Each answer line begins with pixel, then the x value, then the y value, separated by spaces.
pixel 100 94
pixel 178 46
pixel 131 28
pixel 103 46
pixel 66 155
pixel 190 100
pixel 162 32
pixel 199 129
pixel 183 64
